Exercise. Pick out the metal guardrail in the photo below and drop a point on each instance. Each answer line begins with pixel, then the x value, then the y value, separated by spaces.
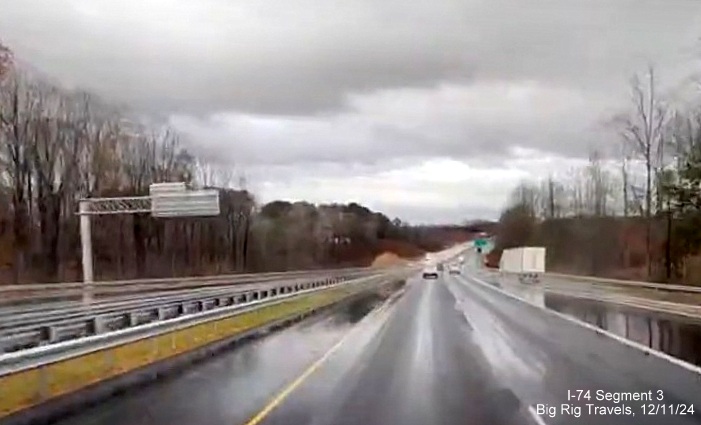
pixel 44 382
pixel 10 362
pixel 63 298
pixel 617 282
pixel 37 328
pixel 617 292
pixel 640 303
pixel 629 283
pixel 64 311
pixel 8 315
pixel 46 292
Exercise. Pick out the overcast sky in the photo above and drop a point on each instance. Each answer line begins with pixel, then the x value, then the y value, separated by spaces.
pixel 431 110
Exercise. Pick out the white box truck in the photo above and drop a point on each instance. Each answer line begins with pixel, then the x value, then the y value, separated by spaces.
pixel 527 262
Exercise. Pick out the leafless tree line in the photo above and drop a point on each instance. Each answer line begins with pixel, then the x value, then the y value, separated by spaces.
pixel 634 179
pixel 57 147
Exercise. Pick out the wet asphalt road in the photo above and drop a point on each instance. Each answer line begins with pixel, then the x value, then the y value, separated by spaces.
pixel 418 367
pixel 540 357
pixel 451 351
pixel 226 389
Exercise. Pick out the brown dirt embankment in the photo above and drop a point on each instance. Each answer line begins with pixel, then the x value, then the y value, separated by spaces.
pixel 388 259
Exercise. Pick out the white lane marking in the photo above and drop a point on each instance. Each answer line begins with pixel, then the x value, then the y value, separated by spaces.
pixel 423 343
pixel 497 344
pixel 688 366
pixel 536 417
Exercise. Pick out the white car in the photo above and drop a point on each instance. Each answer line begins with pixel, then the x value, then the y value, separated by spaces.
pixel 430 272
pixel 454 269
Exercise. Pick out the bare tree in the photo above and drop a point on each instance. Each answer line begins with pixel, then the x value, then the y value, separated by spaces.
pixel 15 120
pixel 625 154
pixel 545 197
pixel 58 146
pixel 598 186
pixel 643 128
pixel 5 60
pixel 527 195
pixel 576 192
pixel 59 129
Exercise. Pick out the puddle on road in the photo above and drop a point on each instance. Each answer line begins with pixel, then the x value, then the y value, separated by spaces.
pixel 354 311
pixel 676 337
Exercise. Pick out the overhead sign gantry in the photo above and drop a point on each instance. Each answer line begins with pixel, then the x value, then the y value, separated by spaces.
pixel 164 200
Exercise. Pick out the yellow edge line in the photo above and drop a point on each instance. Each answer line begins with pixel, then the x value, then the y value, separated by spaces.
pixel 282 395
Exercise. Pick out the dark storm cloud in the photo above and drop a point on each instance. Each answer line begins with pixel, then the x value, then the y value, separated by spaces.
pixel 302 56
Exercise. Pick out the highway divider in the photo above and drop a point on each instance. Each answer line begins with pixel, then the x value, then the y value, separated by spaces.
pixel 31 326
pixel 622 283
pixel 45 382
pixel 672 301
pixel 625 283
pixel 46 292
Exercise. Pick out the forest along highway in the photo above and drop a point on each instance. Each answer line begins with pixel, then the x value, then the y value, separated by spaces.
pixel 448 351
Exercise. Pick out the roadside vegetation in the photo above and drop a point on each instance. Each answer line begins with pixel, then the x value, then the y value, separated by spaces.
pixel 632 212
pixel 58 146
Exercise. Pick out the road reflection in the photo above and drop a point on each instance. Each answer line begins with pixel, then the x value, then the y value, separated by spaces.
pixel 229 388
pixel 676 337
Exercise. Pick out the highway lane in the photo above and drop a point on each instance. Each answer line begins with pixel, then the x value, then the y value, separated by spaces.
pixel 541 357
pixel 421 367
pixel 451 351
pixel 457 352
pixel 406 362
pixel 232 387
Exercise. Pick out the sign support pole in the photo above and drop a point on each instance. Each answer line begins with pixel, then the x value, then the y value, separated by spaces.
pixel 87 258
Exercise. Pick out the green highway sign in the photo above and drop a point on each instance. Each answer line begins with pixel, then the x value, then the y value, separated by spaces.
pixel 483 245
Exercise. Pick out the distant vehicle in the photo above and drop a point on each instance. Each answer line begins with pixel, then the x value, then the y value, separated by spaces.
pixel 430 272
pixel 454 269
pixel 528 263
pixel 441 267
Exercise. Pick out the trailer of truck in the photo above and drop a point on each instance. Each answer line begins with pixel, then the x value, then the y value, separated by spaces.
pixel 527 262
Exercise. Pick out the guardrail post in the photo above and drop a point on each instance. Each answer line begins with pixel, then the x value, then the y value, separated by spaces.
pixel 98 325
pixel 51 334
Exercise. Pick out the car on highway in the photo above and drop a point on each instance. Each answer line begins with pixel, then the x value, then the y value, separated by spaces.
pixel 454 269
pixel 430 272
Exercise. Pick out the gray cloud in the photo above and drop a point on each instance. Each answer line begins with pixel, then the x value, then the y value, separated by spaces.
pixel 467 122
pixel 433 215
pixel 306 55
pixel 354 88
